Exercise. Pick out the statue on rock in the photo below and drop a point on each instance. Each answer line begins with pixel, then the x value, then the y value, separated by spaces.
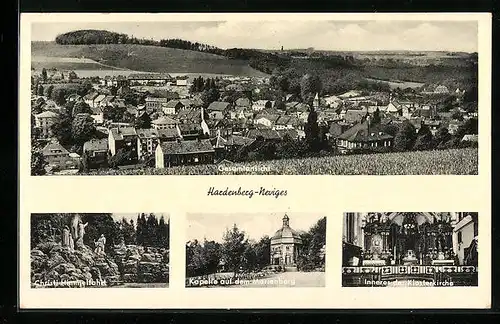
pixel 81 232
pixel 100 244
pixel 67 239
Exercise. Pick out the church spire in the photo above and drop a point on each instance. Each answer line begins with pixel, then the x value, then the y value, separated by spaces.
pixel 286 221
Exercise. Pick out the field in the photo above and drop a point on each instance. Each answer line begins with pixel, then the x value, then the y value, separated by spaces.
pixel 393 84
pixel 136 58
pixel 443 162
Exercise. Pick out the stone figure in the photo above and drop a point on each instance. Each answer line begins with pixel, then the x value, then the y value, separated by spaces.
pixel 81 233
pixel 66 237
pixel 100 244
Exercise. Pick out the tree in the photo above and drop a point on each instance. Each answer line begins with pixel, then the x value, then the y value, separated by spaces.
pixel 469 127
pixel 40 90
pixel 376 117
pixel 59 96
pixel 424 139
pixel 209 96
pixel 38 163
pixel 44 75
pixel 84 88
pixel 233 246
pixel 120 158
pixel 309 86
pixel 312 131
pixel 405 137
pixel 263 252
pixel 81 107
pixel 143 121
pixel 82 129
pixel 63 129
pixel 442 137
pixel 50 89
pixel 313 242
pixel 72 76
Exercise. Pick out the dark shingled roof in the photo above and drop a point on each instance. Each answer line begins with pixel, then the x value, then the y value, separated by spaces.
pixel 185 147
pixel 360 133
pixel 265 133
pixel 96 145
pixel 168 133
pixel 218 106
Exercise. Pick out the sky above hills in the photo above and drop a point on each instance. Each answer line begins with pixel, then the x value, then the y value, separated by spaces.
pixel 320 34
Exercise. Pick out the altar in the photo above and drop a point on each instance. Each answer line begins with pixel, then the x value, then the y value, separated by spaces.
pixel 407 239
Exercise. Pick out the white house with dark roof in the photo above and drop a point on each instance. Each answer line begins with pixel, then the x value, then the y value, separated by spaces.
pixel 44 122
pixel 180 152
pixel 172 107
pixel 123 138
pixel 363 136
pixel 164 122
pixel 147 139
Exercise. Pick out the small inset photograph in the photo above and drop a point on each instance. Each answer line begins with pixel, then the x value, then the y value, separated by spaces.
pixel 96 250
pixel 410 249
pixel 255 250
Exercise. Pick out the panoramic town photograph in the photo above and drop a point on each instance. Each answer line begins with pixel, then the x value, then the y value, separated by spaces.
pixel 242 250
pixel 369 97
pixel 408 249
pixel 100 250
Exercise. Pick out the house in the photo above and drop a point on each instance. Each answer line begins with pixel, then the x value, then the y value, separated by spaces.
pixel 172 107
pixel 291 97
pixel 332 101
pixel 284 122
pixel 470 138
pixel 124 138
pixel 153 79
pixel 433 125
pixel 98 100
pixel 291 133
pixel 97 115
pixel 147 139
pixel 238 113
pixel 58 157
pixel 265 134
pixel 261 105
pixel 107 101
pixel 174 153
pixel 363 136
pixel 441 89
pixel 394 107
pixel 354 116
pixel 453 126
pixel 96 150
pixel 290 105
pixel 169 134
pixel 350 94
pixel 74 97
pixel 243 102
pixel 267 120
pixel 190 131
pixel 44 122
pixel 155 104
pixel 89 98
pixel 181 82
pixel 336 129
pixel 164 122
pixel 426 110
pixel 218 109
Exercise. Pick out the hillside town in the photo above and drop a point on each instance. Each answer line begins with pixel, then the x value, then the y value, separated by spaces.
pixel 157 120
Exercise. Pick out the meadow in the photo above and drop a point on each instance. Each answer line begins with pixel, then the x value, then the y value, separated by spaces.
pixel 438 162
pixel 136 58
